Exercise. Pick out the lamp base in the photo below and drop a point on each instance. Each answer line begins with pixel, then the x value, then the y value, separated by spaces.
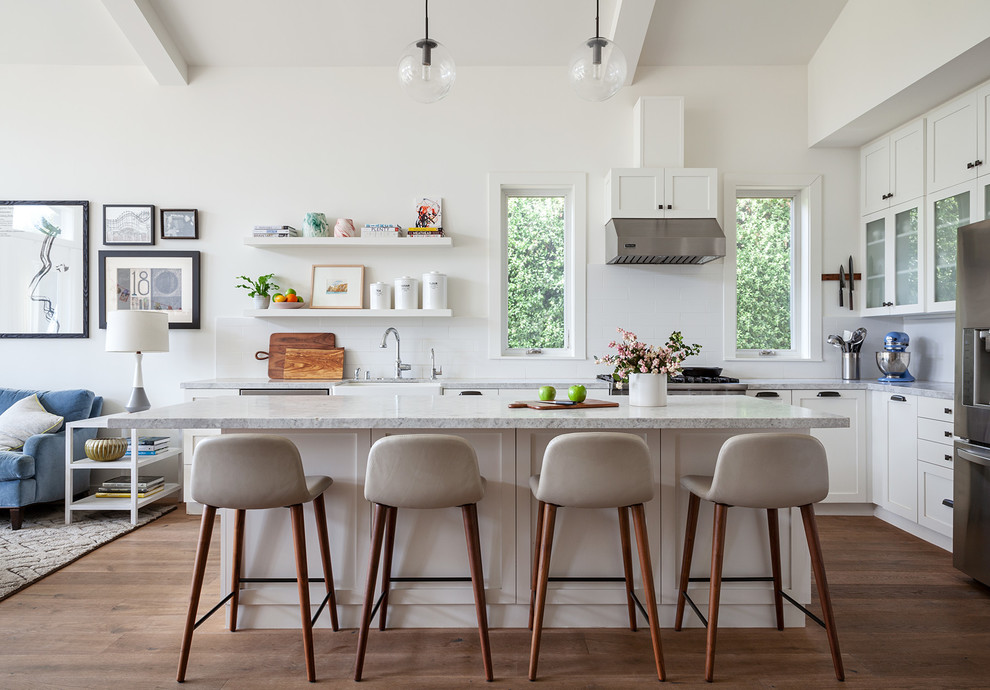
pixel 139 400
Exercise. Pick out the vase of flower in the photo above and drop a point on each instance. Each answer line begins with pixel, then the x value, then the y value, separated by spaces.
pixel 648 390
pixel 645 368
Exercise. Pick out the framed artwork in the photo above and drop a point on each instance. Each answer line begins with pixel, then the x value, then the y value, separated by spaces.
pixel 338 287
pixel 128 224
pixel 44 266
pixel 179 224
pixel 149 280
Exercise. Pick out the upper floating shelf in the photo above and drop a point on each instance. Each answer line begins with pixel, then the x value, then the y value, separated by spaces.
pixel 404 242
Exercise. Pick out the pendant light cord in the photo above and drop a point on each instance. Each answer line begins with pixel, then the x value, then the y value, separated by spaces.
pixel 426 19
pixel 596 19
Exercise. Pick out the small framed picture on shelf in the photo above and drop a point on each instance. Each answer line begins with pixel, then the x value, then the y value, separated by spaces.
pixel 338 287
pixel 180 224
pixel 128 224
pixel 151 280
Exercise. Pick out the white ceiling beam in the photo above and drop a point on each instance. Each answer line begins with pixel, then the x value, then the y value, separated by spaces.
pixel 144 30
pixel 630 24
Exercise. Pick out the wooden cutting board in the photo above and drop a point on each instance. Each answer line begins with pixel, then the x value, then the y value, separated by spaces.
pixel 541 405
pixel 303 356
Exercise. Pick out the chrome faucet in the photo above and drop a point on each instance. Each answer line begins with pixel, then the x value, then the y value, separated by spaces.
pixel 434 372
pixel 399 366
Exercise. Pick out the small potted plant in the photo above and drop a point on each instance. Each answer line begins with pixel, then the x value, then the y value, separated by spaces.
pixel 260 289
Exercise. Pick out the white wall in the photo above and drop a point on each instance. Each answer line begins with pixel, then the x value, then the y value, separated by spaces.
pixel 266 146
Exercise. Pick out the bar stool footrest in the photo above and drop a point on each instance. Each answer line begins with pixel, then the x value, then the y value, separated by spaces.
pixel 785 595
pixel 323 604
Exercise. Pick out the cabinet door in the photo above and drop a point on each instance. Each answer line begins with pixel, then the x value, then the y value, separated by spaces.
pixel 934 487
pixel 947 211
pixel 953 143
pixel 900 476
pixel 874 170
pixel 906 225
pixel 690 192
pixel 635 193
pixel 846 448
pixel 875 274
pixel 907 163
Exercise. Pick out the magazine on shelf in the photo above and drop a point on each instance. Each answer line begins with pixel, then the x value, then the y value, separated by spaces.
pixel 127 494
pixel 124 482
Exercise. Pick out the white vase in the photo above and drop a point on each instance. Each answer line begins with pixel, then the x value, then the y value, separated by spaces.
pixel 261 301
pixel 648 390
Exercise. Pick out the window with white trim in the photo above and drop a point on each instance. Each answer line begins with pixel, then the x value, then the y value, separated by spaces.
pixel 537 281
pixel 773 238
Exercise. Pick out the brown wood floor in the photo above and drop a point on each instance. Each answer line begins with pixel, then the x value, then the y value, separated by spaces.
pixel 113 619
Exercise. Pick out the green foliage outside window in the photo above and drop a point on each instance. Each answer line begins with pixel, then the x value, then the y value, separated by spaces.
pixel 950 214
pixel 763 274
pixel 535 280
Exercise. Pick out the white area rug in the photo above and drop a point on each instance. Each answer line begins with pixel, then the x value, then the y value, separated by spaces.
pixel 44 543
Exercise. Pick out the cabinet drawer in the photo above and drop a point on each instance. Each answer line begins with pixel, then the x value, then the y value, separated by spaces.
pixel 936 431
pixel 936 453
pixel 934 486
pixel 933 408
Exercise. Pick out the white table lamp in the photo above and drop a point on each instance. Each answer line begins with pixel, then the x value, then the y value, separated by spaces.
pixel 137 332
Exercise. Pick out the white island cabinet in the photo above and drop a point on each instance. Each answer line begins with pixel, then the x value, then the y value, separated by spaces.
pixel 335 434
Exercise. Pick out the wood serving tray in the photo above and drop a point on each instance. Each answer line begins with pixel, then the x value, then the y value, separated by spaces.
pixel 303 356
pixel 550 405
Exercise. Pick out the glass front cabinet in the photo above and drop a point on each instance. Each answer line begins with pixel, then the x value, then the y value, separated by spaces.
pixel 892 279
pixel 949 210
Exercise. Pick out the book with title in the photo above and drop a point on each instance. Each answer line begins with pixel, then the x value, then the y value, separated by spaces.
pixel 124 482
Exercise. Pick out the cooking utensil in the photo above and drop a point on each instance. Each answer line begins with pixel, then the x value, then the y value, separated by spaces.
pixel 842 284
pixel 852 282
pixel 837 341
pixel 856 342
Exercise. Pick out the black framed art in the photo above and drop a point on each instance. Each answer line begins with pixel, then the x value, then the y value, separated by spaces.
pixel 128 224
pixel 150 280
pixel 179 224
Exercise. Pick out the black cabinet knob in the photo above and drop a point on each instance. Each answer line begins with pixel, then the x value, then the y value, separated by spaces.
pixel 978 163
pixel 970 166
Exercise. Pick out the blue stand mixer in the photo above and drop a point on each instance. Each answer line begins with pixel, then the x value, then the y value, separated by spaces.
pixel 893 359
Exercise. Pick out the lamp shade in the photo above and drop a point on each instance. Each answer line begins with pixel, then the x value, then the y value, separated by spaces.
pixel 137 331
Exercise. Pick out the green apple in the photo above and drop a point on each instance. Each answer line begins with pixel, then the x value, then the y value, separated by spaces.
pixel 290 291
pixel 577 393
pixel 547 393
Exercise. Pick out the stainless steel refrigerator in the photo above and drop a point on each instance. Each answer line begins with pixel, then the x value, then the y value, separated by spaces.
pixel 971 466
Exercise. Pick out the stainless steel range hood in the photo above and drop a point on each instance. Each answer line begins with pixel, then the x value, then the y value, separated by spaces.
pixel 663 240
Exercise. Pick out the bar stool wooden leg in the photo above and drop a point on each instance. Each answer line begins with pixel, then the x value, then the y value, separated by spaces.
pixel 694 503
pixel 536 560
pixel 627 564
pixel 718 552
pixel 237 560
pixel 302 579
pixel 818 565
pixel 390 515
pixel 471 534
pixel 199 568
pixel 645 564
pixel 320 510
pixel 369 592
pixel 778 601
pixel 546 539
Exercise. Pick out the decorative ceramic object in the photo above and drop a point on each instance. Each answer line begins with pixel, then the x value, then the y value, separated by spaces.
pixel 316 225
pixel 648 390
pixel 344 228
pixel 261 301
pixel 105 449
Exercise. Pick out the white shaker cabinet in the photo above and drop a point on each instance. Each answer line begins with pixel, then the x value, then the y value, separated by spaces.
pixel 846 448
pixel 895 454
pixel 661 193
pixel 893 270
pixel 957 140
pixel 893 169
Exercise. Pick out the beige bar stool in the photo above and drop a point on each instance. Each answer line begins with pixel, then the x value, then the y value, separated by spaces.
pixel 766 471
pixel 250 472
pixel 421 471
pixel 595 470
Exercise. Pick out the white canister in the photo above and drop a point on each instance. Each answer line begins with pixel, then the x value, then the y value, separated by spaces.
pixel 406 293
pixel 381 296
pixel 434 290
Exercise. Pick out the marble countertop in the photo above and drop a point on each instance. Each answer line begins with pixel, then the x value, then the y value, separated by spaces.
pixel 929 389
pixel 476 412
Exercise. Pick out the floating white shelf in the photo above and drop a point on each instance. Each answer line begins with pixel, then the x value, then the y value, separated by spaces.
pixel 125 461
pixel 404 242
pixel 348 313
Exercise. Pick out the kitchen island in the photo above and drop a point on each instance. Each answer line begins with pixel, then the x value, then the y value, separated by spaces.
pixel 334 435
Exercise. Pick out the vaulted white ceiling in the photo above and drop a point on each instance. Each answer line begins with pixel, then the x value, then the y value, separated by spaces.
pixel 280 33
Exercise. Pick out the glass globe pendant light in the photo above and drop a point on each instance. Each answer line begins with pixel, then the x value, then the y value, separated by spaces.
pixel 598 68
pixel 426 69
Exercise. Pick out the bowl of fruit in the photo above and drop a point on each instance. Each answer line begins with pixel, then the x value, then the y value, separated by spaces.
pixel 288 300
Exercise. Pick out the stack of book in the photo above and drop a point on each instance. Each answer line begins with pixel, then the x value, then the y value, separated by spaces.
pixel 275 231
pixel 120 487
pixel 376 230
pixel 424 232
pixel 150 445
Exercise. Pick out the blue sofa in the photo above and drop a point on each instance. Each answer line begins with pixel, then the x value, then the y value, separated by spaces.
pixel 36 472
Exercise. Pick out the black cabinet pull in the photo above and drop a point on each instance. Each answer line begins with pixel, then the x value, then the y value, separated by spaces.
pixel 829 394
pixel 948 458
pixel 898 398
pixel 947 502
pixel 948 434
pixel 670 207
pixel 978 163
pixel 470 393
pixel 660 207
pixel 948 410
pixel 886 304
pixel 970 166
pixel 767 394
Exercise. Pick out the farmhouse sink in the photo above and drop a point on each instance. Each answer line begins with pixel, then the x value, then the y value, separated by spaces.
pixel 388 387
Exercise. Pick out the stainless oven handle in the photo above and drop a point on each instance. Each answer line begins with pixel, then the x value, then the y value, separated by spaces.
pixel 973 457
